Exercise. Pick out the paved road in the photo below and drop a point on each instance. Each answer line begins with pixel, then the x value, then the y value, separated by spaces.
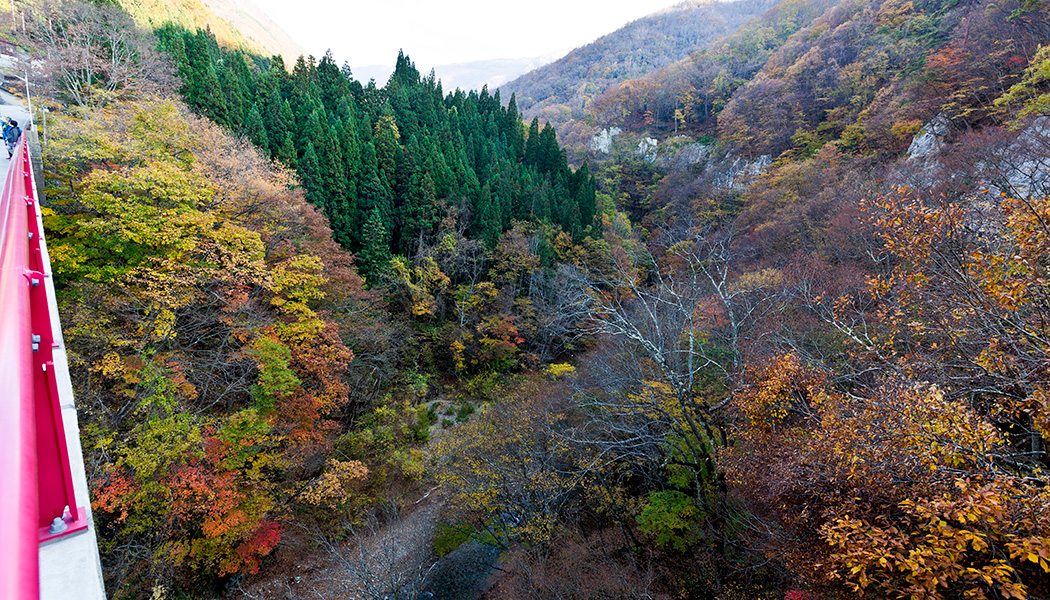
pixel 11 107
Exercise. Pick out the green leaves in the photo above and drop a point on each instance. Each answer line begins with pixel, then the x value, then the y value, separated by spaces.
pixel 276 378
pixel 672 518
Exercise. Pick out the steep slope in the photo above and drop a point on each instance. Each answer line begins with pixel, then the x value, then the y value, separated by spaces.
pixel 234 23
pixel 254 24
pixel 867 74
pixel 563 91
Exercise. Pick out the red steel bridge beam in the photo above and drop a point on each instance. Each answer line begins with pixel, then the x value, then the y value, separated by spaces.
pixel 37 502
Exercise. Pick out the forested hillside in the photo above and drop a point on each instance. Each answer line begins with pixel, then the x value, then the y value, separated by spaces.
pixel 562 92
pixel 851 193
pixel 783 336
pixel 237 382
pixel 395 159
pixel 808 72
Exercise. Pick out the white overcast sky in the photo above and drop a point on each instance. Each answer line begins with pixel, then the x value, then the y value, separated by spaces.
pixel 435 32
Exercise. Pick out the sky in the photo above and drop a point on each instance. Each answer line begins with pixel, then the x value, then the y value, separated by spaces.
pixel 436 32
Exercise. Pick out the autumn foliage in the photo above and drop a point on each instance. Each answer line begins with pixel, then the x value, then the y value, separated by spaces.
pixel 818 374
pixel 192 282
pixel 928 482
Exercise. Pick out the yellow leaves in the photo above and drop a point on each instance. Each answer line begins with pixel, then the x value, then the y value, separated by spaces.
pixel 914 433
pixel 473 297
pixel 163 254
pixel 950 542
pixel 425 283
pixel 505 465
pixel 559 370
pixel 458 355
pixel 754 280
pixel 656 398
pixel 411 462
pixel 162 184
pixel 1037 405
pixel 110 365
pixel 65 259
pixel 776 389
pixel 159 324
pixel 1035 550
pixel 1029 93
pixel 387 123
pixel 296 282
pixel 336 484
pixel 944 432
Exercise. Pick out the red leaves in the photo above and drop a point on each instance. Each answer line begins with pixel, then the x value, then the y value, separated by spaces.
pixel 114 495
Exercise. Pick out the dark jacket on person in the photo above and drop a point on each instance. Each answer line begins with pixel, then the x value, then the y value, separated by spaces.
pixel 12 134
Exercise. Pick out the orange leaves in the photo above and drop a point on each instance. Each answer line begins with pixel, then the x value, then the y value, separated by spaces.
pixel 778 388
pixel 968 287
pixel 913 433
pixel 1033 550
pixel 879 478
pixel 115 496
pixel 926 490
pixel 944 546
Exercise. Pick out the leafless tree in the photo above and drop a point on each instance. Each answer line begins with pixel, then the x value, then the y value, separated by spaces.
pixel 561 307
pixel 386 558
pixel 94 54
pixel 672 327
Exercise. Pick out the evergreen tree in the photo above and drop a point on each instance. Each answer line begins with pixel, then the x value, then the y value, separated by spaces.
pixel 532 144
pixel 513 129
pixel 278 121
pixel 488 224
pixel 435 165
pixel 374 258
pixel 310 171
pixel 380 160
pixel 233 95
pixel 585 196
pixel 286 154
pixel 331 83
pixel 386 146
pixel 351 155
pixel 202 88
pixel 330 157
pixel 255 130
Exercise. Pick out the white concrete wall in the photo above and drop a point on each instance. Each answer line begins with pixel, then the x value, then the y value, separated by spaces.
pixel 70 568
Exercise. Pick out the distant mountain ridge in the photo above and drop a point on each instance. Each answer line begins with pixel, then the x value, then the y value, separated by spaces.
pixel 493 73
pixel 469 75
pixel 562 91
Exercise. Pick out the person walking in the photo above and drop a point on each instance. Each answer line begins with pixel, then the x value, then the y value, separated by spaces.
pixel 11 135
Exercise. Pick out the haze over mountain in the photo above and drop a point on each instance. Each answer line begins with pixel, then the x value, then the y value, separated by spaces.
pixel 562 91
pixel 441 33
pixel 235 23
pixel 257 26
pixel 467 76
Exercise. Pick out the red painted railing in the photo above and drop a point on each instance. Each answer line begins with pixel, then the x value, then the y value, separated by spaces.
pixel 36 485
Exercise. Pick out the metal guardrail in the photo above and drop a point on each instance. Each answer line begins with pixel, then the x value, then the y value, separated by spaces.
pixel 37 502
